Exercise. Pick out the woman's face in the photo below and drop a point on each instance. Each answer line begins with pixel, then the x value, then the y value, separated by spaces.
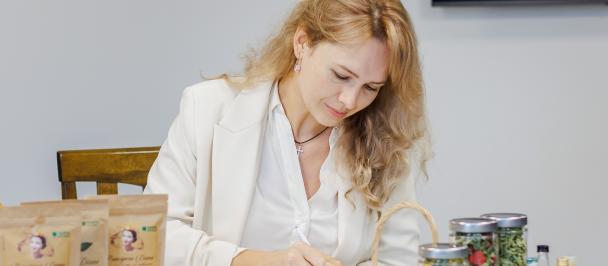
pixel 127 238
pixel 35 244
pixel 337 81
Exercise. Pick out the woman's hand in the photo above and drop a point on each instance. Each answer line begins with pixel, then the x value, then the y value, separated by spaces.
pixel 298 254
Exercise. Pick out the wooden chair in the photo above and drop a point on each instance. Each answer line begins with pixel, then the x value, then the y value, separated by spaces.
pixel 106 167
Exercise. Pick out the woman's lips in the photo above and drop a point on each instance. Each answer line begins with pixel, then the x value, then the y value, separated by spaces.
pixel 335 112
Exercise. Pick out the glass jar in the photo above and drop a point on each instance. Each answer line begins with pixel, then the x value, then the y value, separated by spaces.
pixel 443 254
pixel 512 237
pixel 479 235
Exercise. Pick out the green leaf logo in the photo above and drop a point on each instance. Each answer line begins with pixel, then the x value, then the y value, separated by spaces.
pixel 85 245
pixel 148 228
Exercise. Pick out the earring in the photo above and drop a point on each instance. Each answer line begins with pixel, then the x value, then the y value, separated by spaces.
pixel 297 67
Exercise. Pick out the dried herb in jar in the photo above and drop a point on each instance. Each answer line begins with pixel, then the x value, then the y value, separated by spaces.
pixel 512 237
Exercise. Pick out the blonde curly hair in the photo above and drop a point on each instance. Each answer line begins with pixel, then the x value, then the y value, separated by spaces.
pixel 380 144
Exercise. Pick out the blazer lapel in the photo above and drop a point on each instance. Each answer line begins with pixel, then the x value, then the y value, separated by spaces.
pixel 237 140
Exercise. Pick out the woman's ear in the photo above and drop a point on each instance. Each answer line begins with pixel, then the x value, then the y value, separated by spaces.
pixel 300 42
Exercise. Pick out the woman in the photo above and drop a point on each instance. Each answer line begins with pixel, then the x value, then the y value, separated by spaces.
pixel 128 238
pixel 293 164
pixel 128 241
pixel 37 245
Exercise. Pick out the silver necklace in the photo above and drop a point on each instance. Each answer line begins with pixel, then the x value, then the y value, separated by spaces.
pixel 300 144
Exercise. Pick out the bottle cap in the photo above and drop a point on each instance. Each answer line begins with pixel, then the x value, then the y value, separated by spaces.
pixel 542 248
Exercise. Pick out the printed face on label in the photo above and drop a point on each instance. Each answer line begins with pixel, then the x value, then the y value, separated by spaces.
pixel 128 237
pixel 37 244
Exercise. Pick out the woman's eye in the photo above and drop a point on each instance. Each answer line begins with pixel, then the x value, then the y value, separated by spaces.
pixel 340 76
pixel 370 88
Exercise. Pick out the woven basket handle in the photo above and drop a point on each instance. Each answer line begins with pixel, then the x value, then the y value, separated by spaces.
pixel 385 216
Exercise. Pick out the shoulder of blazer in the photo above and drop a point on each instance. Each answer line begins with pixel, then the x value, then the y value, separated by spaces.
pixel 216 102
pixel 211 93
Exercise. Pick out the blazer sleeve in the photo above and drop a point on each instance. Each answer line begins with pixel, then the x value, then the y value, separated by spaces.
pixel 399 239
pixel 174 173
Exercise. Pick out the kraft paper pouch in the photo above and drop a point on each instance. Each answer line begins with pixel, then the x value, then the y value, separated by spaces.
pixel 95 216
pixel 137 229
pixel 39 236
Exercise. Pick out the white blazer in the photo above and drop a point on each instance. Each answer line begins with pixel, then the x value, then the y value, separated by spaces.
pixel 208 166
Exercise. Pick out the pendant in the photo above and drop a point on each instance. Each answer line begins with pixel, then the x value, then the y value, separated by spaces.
pixel 299 149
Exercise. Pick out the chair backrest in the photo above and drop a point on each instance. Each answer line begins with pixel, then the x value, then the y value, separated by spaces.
pixel 106 167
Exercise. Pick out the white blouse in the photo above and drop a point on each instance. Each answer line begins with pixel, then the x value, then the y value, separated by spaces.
pixel 280 212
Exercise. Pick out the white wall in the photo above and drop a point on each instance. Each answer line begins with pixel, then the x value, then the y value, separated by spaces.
pixel 518 103
pixel 516 98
